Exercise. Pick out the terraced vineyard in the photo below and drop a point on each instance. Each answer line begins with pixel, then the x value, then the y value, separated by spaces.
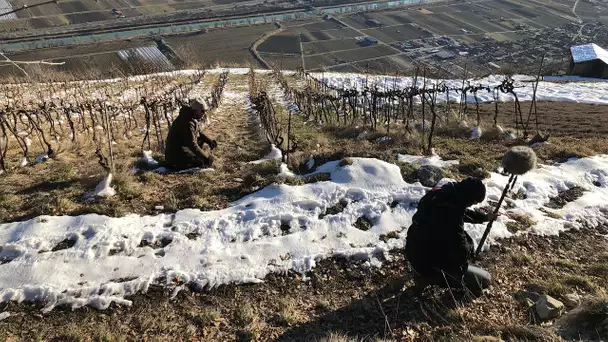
pixel 313 187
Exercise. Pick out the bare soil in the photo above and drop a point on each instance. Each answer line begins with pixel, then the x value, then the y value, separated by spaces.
pixel 567 119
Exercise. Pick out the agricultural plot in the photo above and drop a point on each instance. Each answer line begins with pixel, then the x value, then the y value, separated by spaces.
pixel 383 18
pixel 13 25
pixel 504 4
pixel 89 65
pixel 308 36
pixel 398 17
pixel 281 44
pixel 80 18
pixel 548 19
pixel 283 62
pixel 329 46
pixel 505 36
pixel 347 68
pixel 435 23
pixel 187 6
pixel 300 23
pixel 84 11
pixel 322 25
pixel 357 21
pixel 396 33
pixel 363 53
pixel 449 20
pixel 472 38
pixel 321 61
pixel 78 50
pixel 480 21
pixel 393 65
pixel 234 47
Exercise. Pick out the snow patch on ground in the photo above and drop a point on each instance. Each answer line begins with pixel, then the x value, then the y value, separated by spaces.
pixel 310 162
pixel 112 258
pixel 584 91
pixel 476 133
pixel 284 171
pixel 274 154
pixel 148 159
pixel 434 159
pixel 104 188
pixel 4 315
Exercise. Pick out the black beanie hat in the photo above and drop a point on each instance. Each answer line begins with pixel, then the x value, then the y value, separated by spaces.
pixel 472 190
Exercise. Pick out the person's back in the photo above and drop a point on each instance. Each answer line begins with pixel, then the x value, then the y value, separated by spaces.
pixel 437 246
pixel 178 136
pixel 183 148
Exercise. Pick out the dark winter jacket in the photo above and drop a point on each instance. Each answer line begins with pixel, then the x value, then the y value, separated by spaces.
pixel 436 240
pixel 184 141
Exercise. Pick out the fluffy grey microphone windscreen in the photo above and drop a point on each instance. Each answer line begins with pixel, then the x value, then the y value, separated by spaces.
pixel 519 160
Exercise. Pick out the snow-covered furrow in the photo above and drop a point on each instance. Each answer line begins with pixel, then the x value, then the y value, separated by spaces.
pixel 94 260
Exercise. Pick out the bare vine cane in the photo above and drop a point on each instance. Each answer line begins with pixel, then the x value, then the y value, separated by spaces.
pixel 517 161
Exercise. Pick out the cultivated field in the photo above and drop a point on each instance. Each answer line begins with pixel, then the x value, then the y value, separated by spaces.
pixel 90 11
pixel 326 42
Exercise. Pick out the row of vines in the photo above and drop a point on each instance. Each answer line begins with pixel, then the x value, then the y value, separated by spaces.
pixel 375 104
pixel 95 112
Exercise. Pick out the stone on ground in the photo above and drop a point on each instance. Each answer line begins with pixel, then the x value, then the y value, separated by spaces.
pixel 572 300
pixel 548 307
pixel 523 295
pixel 429 175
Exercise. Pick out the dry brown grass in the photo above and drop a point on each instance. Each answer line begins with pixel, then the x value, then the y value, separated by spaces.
pixel 74 173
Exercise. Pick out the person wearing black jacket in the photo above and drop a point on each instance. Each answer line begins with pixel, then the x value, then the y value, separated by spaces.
pixel 437 246
pixel 185 140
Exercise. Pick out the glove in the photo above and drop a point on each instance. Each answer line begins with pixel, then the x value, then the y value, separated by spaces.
pixel 492 216
pixel 213 144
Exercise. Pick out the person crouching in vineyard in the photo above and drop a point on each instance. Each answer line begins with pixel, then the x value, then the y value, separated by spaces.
pixel 437 246
pixel 185 140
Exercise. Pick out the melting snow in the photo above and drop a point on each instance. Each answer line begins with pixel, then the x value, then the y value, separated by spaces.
pixel 274 154
pixel 310 162
pixel 434 159
pixel 584 92
pixel 148 159
pixel 42 158
pixel 476 133
pixel 105 189
pixel 285 172
pixel 115 257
